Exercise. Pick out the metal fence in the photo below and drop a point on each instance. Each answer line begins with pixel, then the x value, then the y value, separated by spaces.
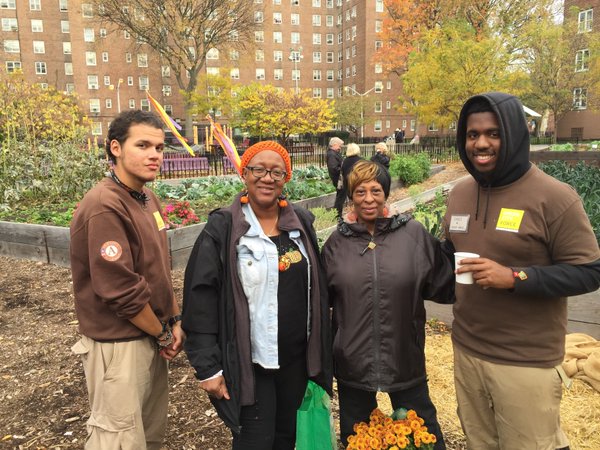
pixel 183 165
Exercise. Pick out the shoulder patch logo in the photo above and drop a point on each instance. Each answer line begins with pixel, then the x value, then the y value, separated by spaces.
pixel 111 250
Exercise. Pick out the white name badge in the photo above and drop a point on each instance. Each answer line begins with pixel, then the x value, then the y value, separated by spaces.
pixel 459 223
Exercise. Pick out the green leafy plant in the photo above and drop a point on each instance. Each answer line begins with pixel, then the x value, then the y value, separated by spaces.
pixel 411 169
pixel 568 147
pixel 324 218
pixel 431 214
pixel 586 181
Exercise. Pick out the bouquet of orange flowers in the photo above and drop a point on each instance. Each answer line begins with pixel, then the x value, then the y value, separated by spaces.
pixel 403 430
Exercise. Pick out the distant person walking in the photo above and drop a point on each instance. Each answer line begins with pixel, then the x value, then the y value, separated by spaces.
pixel 352 157
pixel 334 167
pixel 399 136
pixel 381 155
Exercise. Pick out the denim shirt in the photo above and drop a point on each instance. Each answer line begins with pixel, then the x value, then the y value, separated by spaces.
pixel 258 269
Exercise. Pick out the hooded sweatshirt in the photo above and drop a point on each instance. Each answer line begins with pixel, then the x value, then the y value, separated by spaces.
pixel 524 219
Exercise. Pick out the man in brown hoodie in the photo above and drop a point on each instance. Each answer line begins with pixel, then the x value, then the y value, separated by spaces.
pixel 124 300
pixel 537 247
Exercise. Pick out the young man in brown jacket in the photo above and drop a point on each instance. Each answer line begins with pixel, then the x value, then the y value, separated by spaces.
pixel 537 247
pixel 124 300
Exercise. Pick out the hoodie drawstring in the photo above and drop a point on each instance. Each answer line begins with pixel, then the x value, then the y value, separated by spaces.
pixel 487 204
pixel 477 207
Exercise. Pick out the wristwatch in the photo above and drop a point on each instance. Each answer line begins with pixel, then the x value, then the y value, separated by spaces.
pixel 173 320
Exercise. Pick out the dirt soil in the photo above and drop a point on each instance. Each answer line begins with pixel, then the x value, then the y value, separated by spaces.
pixel 43 399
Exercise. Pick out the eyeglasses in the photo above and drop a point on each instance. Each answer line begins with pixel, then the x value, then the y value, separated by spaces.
pixel 259 172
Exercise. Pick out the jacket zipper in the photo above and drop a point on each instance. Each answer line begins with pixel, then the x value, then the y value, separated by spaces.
pixel 376 328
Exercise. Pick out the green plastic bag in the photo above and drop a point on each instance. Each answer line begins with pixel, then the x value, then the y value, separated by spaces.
pixel 315 429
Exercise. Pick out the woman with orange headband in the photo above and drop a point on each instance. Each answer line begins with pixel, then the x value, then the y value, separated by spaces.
pixel 255 306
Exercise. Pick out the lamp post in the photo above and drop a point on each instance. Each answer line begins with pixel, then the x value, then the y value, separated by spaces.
pixel 119 95
pixel 295 56
pixel 362 108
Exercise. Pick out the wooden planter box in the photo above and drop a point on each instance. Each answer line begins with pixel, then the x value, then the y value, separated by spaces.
pixel 590 157
pixel 50 244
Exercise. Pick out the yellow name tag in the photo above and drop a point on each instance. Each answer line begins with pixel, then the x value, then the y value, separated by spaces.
pixel 510 220
pixel 159 220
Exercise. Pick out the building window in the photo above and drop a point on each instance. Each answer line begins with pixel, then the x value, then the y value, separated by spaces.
pixel 296 75
pixel 8 4
pixel 94 105
pixel 90 58
pixel 585 20
pixel 582 60
pixel 108 103
pixel 166 90
pixel 378 68
pixel 102 32
pixel 12 46
pixel 40 68
pixel 277 37
pixel 63 5
pixel 316 57
pixel 329 57
pixel 295 37
pixel 92 81
pixel 37 26
pixel 277 19
pixel 143 83
pixel 130 81
pixel 69 88
pixel 65 27
pixel 388 85
pixel 260 74
pixel 11 66
pixel 234 36
pixel 126 34
pixel 379 87
pixel 579 98
pixel 278 74
pixel 329 3
pixel 388 105
pixel 378 45
pixel 87 10
pixel 66 48
pixel 131 103
pixel 316 20
pixel 379 6
pixel 317 92
pixel 377 126
pixel 234 73
pixel 316 3
pixel 295 19
pixel 35 5
pixel 330 75
pixel 97 128
pixel 259 36
pixel 259 55
pixel 39 47
pixel 295 2
pixel 128 57
pixel 316 75
pixel 316 38
pixel 378 107
pixel 142 60
pixel 213 53
pixel 277 55
pixel 10 24
pixel 329 21
pixel 89 35
pixel 234 55
pixel 277 2
pixel 168 109
pixel 330 92
pixel 295 55
pixel 105 56
pixel 106 80
pixel 378 26
pixel 68 68
pixel 258 17
pixel 212 71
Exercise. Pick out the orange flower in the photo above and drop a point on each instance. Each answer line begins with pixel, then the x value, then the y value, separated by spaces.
pixel 375 443
pixel 390 438
pixel 411 414
pixel 415 425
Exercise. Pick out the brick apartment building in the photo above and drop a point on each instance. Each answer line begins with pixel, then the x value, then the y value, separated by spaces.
pixel 581 123
pixel 326 46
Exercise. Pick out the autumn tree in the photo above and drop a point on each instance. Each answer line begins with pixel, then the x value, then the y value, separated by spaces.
pixel 348 112
pixel 182 32
pixel 30 114
pixel 267 111
pixel 451 66
pixel 213 93
pixel 564 65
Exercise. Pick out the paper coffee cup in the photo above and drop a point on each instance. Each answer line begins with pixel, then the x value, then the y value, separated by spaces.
pixel 467 277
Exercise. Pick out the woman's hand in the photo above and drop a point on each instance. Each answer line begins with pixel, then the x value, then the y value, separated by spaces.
pixel 215 387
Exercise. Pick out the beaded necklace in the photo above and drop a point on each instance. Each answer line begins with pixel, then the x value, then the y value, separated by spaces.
pixel 140 196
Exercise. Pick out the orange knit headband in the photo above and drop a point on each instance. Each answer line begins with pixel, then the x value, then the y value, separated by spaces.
pixel 253 150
